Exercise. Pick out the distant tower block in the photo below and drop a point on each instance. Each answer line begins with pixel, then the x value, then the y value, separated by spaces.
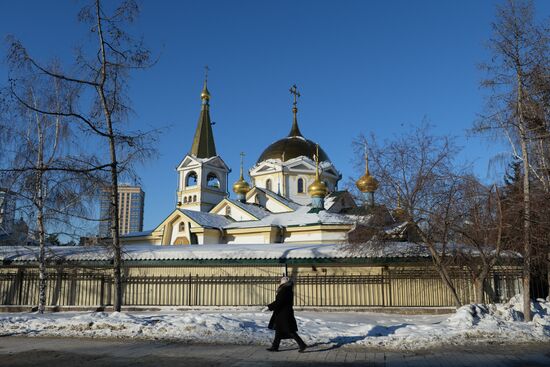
pixel 131 202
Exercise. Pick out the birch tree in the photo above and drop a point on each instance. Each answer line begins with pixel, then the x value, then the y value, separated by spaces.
pixel 98 80
pixel 519 50
pixel 34 166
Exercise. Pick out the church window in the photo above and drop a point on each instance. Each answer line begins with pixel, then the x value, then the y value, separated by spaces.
pixel 194 198
pixel 181 241
pixel 191 179
pixel 212 181
pixel 300 185
pixel 228 210
pixel 182 227
pixel 268 184
pixel 185 199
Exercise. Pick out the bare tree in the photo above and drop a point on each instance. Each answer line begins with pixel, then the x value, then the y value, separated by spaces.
pixel 34 167
pixel 98 82
pixel 479 228
pixel 417 167
pixel 519 50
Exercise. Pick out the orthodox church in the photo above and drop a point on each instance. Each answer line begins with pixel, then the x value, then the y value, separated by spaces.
pixel 293 196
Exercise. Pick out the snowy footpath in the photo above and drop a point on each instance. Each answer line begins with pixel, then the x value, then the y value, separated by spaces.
pixel 471 324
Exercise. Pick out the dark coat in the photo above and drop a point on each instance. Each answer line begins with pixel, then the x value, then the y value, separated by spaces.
pixel 282 320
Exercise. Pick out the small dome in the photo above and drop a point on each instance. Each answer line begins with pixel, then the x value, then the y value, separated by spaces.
pixel 241 187
pixel 399 213
pixel 367 183
pixel 317 189
pixel 292 147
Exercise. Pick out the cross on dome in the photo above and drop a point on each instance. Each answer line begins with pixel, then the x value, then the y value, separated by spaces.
pixel 294 91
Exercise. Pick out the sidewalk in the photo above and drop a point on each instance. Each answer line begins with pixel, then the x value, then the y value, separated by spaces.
pixel 59 352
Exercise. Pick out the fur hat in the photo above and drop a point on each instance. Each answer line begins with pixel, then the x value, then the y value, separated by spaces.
pixel 284 280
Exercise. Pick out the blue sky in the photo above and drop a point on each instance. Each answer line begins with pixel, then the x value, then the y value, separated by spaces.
pixel 361 66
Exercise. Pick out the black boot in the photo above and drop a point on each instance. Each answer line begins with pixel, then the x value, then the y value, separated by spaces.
pixel 276 342
pixel 300 342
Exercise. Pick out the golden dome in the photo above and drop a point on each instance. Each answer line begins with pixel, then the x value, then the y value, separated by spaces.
pixel 317 189
pixel 399 213
pixel 241 187
pixel 367 183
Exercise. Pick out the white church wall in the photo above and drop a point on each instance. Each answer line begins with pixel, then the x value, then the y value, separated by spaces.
pixel 315 237
pixel 247 239
pixel 275 207
pixel 233 211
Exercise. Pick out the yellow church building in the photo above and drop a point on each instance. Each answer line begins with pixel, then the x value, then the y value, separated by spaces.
pixel 293 196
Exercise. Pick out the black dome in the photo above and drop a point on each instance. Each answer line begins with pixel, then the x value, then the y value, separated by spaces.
pixel 292 147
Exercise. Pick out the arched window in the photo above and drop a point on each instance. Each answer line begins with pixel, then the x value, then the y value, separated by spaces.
pixel 185 199
pixel 268 184
pixel 191 179
pixel 182 227
pixel 228 210
pixel 194 198
pixel 300 186
pixel 212 181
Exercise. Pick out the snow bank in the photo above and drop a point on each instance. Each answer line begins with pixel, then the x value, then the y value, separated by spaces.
pixel 500 323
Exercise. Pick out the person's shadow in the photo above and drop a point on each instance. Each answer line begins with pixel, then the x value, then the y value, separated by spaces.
pixel 340 341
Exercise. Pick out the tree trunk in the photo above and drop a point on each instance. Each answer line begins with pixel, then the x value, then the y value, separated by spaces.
pixel 42 243
pixel 448 282
pixel 526 204
pixel 117 251
pixel 442 271
pixel 116 246
pixel 39 203
pixel 440 268
pixel 478 290
pixel 479 284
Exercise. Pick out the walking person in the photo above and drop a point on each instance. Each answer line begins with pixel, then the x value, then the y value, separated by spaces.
pixel 282 320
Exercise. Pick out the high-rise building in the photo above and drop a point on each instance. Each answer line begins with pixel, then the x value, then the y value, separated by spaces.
pixel 131 200
pixel 7 211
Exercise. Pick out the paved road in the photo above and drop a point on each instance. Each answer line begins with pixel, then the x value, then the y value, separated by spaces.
pixel 26 351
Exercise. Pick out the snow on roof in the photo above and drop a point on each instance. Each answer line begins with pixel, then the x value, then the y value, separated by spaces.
pixel 299 217
pixel 253 209
pixel 207 220
pixel 138 234
pixel 291 204
pixel 332 197
pixel 16 254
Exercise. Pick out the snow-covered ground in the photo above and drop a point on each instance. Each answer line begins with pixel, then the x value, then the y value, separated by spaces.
pixel 471 324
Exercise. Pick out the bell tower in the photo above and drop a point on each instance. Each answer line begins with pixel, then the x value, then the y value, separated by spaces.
pixel 202 174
